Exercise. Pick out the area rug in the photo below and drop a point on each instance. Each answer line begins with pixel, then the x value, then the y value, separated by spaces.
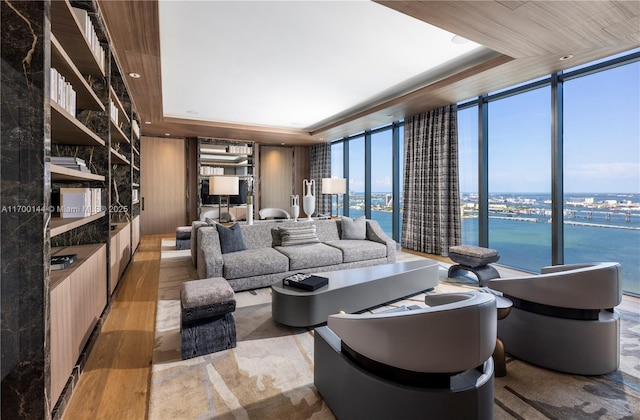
pixel 269 375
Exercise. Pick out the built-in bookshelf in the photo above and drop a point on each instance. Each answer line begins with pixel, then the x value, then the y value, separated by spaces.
pixel 74 138
pixel 222 157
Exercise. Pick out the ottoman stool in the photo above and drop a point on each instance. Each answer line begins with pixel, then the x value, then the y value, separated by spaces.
pixel 207 324
pixel 476 260
pixel 183 237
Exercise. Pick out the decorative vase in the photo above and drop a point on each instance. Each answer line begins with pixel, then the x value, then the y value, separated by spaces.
pixel 309 199
pixel 250 210
pixel 295 207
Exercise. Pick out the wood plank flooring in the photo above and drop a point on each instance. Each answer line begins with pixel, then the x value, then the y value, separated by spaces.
pixel 115 382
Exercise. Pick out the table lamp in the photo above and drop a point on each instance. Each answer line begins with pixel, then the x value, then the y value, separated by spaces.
pixel 224 186
pixel 334 186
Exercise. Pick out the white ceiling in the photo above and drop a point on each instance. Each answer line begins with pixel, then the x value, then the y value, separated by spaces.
pixel 296 64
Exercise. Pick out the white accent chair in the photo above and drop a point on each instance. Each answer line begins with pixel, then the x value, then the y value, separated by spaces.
pixel 273 213
pixel 434 362
pixel 564 319
pixel 213 215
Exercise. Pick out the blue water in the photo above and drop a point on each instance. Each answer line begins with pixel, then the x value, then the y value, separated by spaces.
pixel 526 245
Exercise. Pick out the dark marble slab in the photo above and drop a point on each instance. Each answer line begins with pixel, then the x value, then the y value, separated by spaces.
pixel 25 247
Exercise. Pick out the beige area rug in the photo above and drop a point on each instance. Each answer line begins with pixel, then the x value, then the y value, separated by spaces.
pixel 269 375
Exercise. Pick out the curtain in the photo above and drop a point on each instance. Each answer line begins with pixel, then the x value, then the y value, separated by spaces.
pixel 431 200
pixel 320 167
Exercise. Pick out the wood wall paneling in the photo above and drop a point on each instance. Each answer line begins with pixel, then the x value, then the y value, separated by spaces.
pixel 163 185
pixel 276 176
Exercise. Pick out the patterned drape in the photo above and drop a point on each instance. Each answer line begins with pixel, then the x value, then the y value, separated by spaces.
pixel 320 167
pixel 431 202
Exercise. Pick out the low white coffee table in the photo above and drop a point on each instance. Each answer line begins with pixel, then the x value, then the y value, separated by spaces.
pixel 351 291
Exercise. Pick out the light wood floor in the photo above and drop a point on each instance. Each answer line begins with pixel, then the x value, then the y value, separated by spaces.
pixel 115 382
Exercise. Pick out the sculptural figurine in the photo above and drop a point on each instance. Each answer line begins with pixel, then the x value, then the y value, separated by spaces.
pixel 295 207
pixel 309 199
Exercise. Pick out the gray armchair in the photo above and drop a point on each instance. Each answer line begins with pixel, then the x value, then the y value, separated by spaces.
pixel 564 318
pixel 405 364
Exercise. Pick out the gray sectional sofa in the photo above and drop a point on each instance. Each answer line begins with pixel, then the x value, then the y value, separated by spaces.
pixel 266 258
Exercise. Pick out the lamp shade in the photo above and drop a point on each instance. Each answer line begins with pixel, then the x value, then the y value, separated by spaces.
pixel 224 185
pixel 334 186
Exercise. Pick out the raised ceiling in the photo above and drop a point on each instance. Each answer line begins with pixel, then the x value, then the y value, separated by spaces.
pixel 523 40
pixel 295 64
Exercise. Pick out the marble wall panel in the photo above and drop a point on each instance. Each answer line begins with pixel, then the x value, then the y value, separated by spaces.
pixel 24 198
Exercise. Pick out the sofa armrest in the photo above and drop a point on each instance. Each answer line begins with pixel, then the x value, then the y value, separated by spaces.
pixel 194 240
pixel 210 262
pixel 376 234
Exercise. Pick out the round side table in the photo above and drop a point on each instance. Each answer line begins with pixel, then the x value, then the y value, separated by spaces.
pixel 504 308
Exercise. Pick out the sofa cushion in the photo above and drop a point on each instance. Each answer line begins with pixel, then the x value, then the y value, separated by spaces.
pixel 356 250
pixel 290 236
pixel 230 238
pixel 354 228
pixel 254 262
pixel 311 255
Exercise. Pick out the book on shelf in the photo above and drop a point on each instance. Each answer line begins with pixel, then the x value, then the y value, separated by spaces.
pixel 79 202
pixel 309 282
pixel 60 262
pixel 89 32
pixel 62 92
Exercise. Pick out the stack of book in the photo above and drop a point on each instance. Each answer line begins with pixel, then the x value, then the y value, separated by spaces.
pixel 62 92
pixel 90 35
pixel 60 262
pixel 70 162
pixel 241 150
pixel 211 170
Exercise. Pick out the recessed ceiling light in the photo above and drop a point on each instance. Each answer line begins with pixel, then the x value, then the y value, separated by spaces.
pixel 167 134
pixel 566 57
pixel 147 122
pixel 457 39
pixel 134 75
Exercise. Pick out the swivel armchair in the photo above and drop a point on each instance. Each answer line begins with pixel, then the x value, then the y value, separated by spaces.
pixel 433 362
pixel 563 319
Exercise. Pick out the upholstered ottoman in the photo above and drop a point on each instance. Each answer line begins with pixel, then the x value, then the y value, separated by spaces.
pixel 207 323
pixel 475 259
pixel 183 237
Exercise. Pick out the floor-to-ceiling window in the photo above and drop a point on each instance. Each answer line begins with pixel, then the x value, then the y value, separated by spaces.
pixel 372 163
pixel 382 179
pixel 583 122
pixel 356 181
pixel 602 170
pixel 520 178
pixel 468 169
pixel 337 171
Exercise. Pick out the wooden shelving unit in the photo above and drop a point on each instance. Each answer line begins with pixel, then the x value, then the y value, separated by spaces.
pixel 59 225
pixel 60 173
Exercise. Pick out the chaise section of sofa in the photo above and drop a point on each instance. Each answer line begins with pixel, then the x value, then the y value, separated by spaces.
pixel 267 259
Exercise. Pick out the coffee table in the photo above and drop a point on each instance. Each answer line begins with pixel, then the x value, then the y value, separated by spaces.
pixel 351 290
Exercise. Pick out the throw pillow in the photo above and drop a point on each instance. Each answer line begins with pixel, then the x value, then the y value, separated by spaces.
pixel 298 235
pixel 231 239
pixel 354 228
